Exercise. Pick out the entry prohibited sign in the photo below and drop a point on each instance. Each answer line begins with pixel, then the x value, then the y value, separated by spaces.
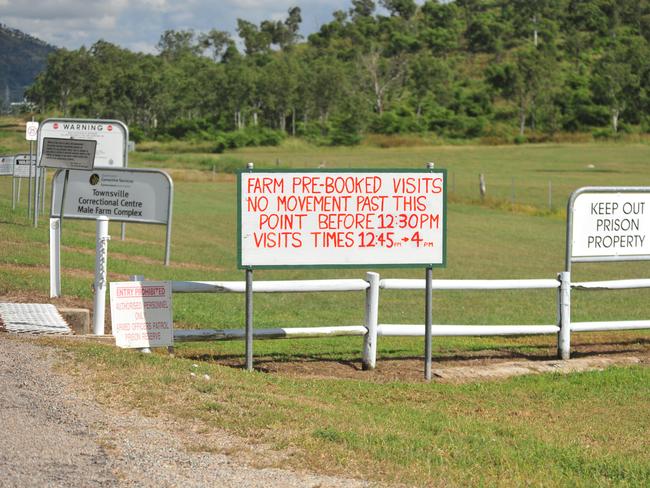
pixel 608 224
pixel 342 218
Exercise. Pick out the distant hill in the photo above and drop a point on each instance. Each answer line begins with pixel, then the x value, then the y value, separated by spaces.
pixel 22 58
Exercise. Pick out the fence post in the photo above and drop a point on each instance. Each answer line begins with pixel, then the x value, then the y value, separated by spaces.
pixel 55 257
pixel 372 314
pixel 101 257
pixel 564 304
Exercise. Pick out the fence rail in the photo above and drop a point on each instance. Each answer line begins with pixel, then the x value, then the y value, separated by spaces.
pixel 371 330
pixel 420 284
pixel 295 286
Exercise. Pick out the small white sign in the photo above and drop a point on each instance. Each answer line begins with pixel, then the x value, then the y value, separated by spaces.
pixel 31 131
pixel 24 167
pixel 141 314
pixel 611 224
pixel 342 218
pixel 6 165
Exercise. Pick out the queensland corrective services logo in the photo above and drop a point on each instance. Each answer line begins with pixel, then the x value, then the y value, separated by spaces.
pixel 94 179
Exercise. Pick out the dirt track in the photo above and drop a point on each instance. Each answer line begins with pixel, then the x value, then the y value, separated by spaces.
pixel 55 436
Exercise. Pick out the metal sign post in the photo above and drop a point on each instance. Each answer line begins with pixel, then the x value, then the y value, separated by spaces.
pixel 29 190
pixel 428 323
pixel 428 314
pixel 22 168
pixel 31 132
pixel 249 308
pixel 249 320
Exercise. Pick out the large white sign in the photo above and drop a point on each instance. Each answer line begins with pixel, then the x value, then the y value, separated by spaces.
pixel 111 137
pixel 6 165
pixel 611 224
pixel 128 195
pixel 303 218
pixel 141 314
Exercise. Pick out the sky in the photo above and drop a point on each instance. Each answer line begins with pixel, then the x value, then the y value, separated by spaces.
pixel 138 24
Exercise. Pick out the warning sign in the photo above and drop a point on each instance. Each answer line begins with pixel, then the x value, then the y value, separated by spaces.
pixel 611 224
pixel 111 137
pixel 141 314
pixel 355 218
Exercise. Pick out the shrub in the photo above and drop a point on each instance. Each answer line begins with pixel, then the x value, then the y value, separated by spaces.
pixel 604 133
pixel 345 131
pixel 136 134
pixel 252 137
pixel 225 164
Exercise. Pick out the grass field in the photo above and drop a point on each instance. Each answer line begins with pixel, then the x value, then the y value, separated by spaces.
pixel 581 429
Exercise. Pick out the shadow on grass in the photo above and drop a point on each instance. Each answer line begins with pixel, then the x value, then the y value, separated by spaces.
pixel 277 362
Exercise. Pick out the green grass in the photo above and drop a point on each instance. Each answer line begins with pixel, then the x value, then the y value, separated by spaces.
pixel 588 429
pixel 581 429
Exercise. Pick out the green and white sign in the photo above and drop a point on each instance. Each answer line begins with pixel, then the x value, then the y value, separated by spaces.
pixel 342 218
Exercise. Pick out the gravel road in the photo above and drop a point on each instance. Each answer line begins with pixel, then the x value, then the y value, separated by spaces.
pixel 54 436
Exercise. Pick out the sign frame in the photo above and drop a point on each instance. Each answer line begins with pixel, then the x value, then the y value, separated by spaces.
pixel 122 127
pixel 170 203
pixel 56 212
pixel 370 171
pixel 569 258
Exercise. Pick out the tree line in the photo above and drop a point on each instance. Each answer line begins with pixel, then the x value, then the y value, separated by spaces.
pixel 464 68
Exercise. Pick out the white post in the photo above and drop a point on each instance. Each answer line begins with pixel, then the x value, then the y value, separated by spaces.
pixel 564 336
pixel 55 258
pixel 101 258
pixel 372 314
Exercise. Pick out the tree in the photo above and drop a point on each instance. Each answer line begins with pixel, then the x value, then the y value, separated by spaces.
pixel 63 79
pixel 256 41
pixel 218 42
pixel 522 80
pixel 382 76
pixel 175 44
pixel 401 8
pixel 614 82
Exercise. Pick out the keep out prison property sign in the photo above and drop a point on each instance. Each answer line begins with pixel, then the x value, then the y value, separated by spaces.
pixel 342 218
pixel 610 223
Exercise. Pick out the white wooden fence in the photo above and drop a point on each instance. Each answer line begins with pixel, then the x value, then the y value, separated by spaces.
pixel 371 329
